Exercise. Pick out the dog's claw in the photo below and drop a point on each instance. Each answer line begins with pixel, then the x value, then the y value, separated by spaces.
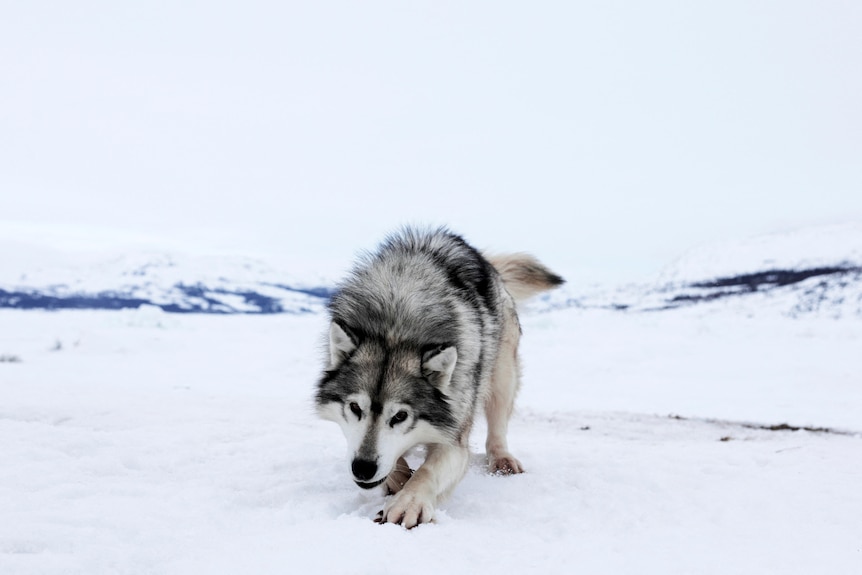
pixel 409 509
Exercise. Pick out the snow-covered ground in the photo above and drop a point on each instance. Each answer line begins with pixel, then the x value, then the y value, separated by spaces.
pixel 141 442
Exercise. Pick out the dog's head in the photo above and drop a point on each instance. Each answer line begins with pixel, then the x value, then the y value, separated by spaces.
pixel 386 398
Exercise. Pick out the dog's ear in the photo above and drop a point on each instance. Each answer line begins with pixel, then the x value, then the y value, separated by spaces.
pixel 438 363
pixel 340 345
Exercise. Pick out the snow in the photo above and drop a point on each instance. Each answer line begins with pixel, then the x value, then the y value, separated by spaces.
pixel 144 442
pixel 34 275
pixel 807 271
pixel 799 248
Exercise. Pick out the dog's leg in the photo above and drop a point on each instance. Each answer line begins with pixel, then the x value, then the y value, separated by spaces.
pixel 505 381
pixel 443 468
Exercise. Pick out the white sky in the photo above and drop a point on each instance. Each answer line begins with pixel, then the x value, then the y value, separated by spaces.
pixel 606 137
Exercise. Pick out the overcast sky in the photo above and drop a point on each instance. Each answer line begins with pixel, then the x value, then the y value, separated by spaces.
pixel 606 137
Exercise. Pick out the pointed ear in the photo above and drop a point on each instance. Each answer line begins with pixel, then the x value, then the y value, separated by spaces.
pixel 438 365
pixel 340 345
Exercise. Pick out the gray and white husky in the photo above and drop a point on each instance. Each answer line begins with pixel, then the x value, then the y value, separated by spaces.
pixel 422 333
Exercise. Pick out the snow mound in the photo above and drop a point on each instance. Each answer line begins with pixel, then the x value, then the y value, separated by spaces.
pixel 171 281
pixel 819 247
pixel 812 271
pixel 815 270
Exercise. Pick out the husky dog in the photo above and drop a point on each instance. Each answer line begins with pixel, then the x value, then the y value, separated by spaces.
pixel 422 333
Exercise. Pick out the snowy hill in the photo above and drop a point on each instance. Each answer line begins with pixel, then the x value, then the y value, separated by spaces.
pixel 809 271
pixel 173 282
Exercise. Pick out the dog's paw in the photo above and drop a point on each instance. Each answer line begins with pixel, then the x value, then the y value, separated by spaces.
pixel 407 508
pixel 398 477
pixel 504 464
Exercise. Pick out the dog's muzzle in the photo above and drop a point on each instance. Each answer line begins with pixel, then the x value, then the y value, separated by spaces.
pixel 363 470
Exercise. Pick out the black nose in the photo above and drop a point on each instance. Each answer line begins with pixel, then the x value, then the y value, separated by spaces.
pixel 364 470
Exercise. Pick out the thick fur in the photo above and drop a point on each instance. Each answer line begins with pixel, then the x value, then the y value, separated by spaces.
pixel 423 333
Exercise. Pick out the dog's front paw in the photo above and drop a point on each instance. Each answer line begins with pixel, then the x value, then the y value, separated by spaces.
pixel 504 464
pixel 408 508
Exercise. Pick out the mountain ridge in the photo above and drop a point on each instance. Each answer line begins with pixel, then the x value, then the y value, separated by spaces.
pixel 810 271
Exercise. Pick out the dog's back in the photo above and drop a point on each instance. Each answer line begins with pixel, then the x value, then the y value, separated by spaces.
pixel 415 289
pixel 423 276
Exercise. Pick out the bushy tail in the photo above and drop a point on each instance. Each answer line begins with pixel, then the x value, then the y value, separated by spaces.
pixel 523 275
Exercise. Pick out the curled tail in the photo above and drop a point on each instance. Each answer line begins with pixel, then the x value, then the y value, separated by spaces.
pixel 523 275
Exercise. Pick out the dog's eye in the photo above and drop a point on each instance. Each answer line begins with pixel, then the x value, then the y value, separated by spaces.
pixel 398 418
pixel 357 411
